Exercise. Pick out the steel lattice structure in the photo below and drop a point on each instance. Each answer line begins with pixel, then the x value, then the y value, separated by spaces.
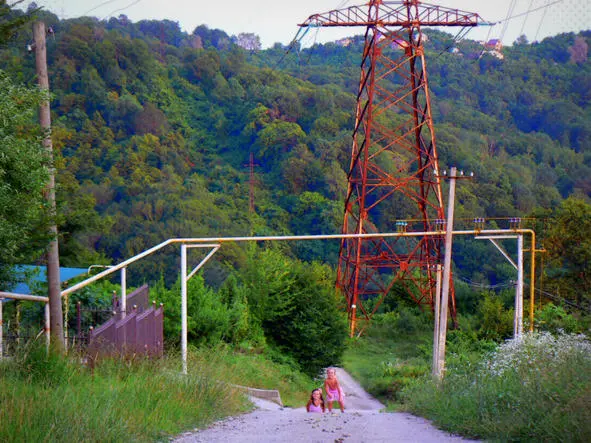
pixel 394 166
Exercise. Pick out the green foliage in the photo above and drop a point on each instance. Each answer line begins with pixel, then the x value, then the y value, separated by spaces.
pixel 535 389
pixel 39 366
pixel 245 330
pixel 152 128
pixel 464 349
pixel 393 351
pixel 208 318
pixel 10 21
pixel 554 319
pixel 276 305
pixel 569 249
pixel 23 175
pixel 96 303
pixel 497 322
pixel 396 375
pixel 279 137
pixel 297 307
pixel 132 400
pixel 410 321
pixel 122 400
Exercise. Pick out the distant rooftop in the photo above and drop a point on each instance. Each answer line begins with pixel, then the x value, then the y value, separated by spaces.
pixel 39 274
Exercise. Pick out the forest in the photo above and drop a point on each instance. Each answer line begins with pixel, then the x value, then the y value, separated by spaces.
pixel 159 133
pixel 153 129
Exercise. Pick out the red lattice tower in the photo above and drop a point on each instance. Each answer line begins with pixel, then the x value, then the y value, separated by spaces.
pixel 394 167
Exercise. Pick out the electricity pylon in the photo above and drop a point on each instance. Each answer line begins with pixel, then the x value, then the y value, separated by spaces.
pixel 394 169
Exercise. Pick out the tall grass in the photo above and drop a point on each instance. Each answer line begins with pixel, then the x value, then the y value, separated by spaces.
pixel 535 389
pixel 52 398
pixel 394 350
pixel 255 371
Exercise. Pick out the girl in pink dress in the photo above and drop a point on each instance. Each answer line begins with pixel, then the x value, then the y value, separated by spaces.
pixel 333 390
pixel 316 402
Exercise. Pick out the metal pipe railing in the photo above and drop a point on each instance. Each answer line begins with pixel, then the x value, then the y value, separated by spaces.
pixel 15 296
pixel 206 242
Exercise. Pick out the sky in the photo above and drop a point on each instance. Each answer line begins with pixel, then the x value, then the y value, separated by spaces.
pixel 275 21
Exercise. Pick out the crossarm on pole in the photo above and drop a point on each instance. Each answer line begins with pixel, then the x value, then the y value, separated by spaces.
pixel 395 14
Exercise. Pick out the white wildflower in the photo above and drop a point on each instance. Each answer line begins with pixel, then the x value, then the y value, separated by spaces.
pixel 533 349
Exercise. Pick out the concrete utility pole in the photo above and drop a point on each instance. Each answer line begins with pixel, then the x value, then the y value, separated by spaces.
pixel 53 261
pixel 518 320
pixel 435 370
pixel 440 345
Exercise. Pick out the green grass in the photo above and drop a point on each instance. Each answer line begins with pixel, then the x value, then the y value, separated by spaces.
pixel 535 390
pixel 51 398
pixel 393 351
pixel 255 371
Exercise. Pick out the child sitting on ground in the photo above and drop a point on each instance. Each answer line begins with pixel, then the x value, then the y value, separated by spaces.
pixel 316 402
pixel 333 390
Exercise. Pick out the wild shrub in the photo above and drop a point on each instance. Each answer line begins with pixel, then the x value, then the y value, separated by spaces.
pixel 208 318
pixel 536 388
pixel 411 320
pixel 497 321
pixel 404 320
pixel 274 304
pixel 464 349
pixel 397 374
pixel 393 351
pixel 554 318
pixel 297 308
pixel 245 329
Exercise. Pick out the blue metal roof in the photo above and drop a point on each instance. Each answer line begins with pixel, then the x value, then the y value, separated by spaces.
pixel 40 275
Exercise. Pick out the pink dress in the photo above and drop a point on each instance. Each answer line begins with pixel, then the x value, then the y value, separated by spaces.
pixel 314 408
pixel 333 395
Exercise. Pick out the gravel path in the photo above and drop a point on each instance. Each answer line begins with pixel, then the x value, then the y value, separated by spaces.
pixel 362 421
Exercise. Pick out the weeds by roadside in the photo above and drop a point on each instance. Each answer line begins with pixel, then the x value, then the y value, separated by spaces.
pixel 52 398
pixel 535 389
pixel 391 354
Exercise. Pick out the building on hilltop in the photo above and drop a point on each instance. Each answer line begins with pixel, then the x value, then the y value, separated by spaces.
pixel 493 47
pixel 344 41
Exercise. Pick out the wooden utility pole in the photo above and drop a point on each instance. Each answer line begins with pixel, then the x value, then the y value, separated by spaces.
pixel 53 260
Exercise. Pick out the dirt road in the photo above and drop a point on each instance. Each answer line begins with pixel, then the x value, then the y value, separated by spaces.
pixel 362 421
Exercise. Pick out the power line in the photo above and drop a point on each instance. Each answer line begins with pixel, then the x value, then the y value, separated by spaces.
pixel 122 9
pixel 531 2
pixel 540 25
pixel 506 21
pixel 458 37
pixel 563 300
pixel 99 6
pixel 473 284
pixel 539 8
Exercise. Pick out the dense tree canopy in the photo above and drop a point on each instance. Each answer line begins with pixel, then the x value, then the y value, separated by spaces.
pixel 23 176
pixel 569 249
pixel 154 127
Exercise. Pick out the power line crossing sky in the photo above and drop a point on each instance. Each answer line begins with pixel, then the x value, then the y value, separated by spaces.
pixel 276 21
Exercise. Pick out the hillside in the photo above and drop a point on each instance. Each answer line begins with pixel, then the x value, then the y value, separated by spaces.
pixel 153 129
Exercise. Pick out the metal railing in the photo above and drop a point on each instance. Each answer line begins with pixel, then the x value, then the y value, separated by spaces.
pixel 215 243
pixel 14 296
